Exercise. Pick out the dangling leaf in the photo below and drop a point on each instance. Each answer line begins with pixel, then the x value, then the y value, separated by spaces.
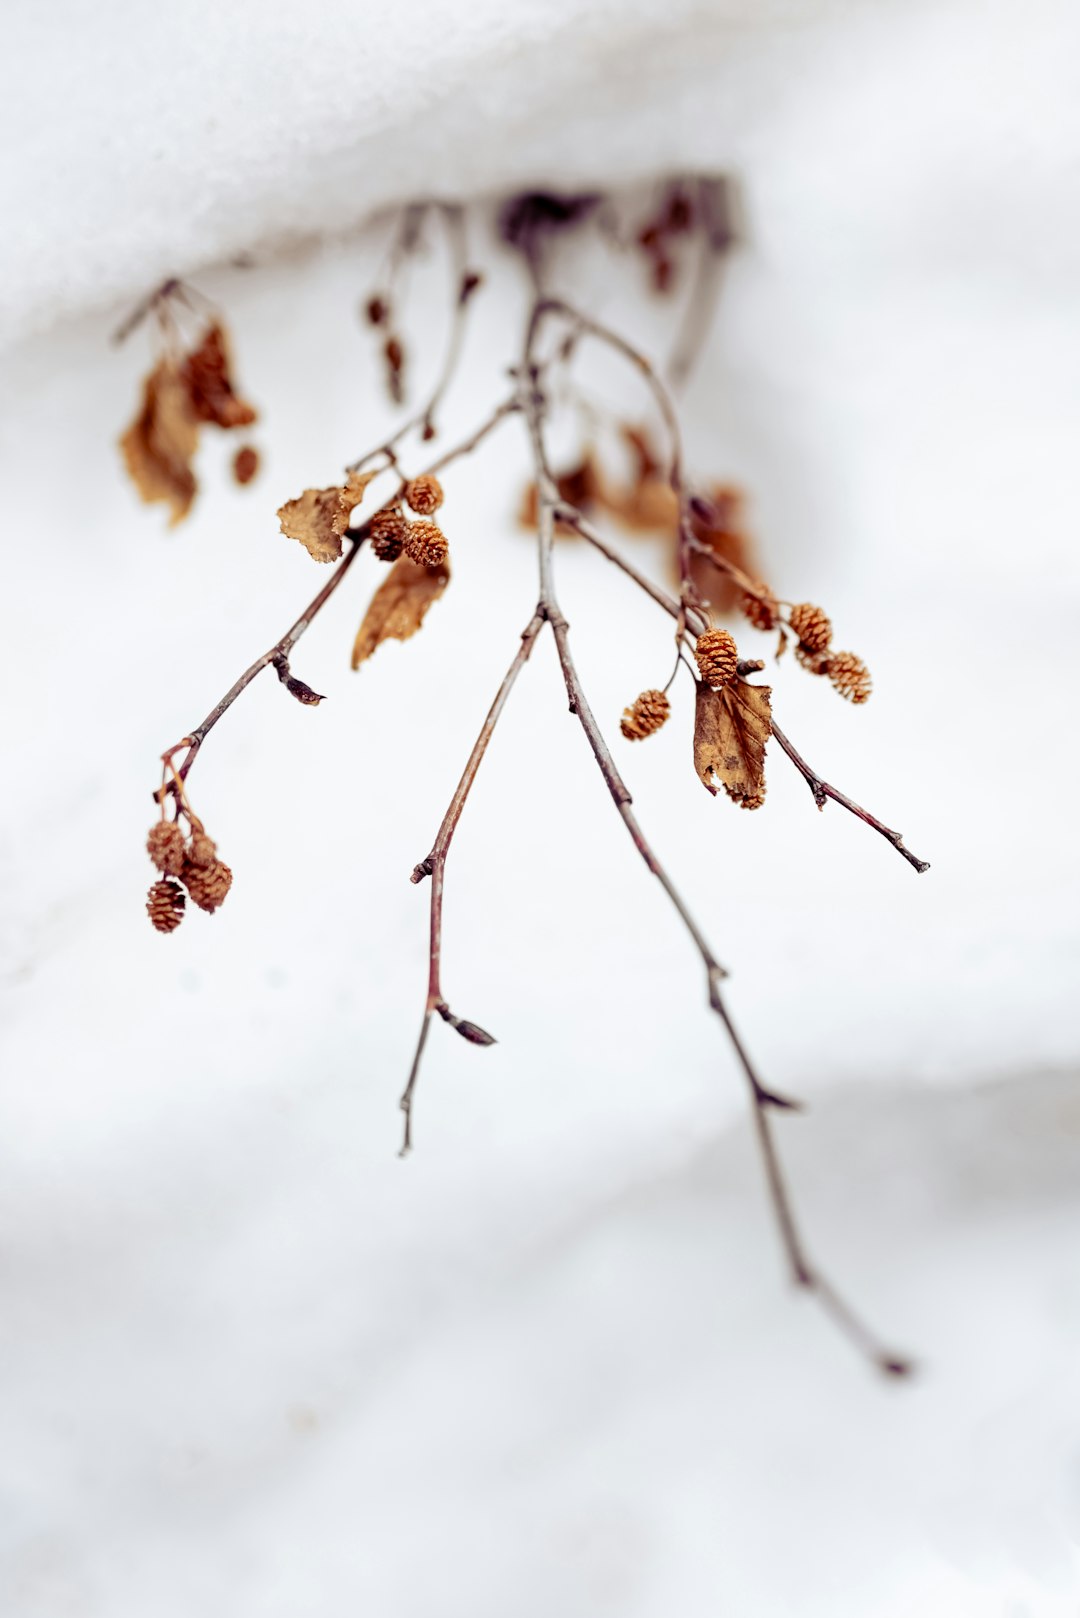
pixel 160 444
pixel 731 728
pixel 399 605
pixel 205 373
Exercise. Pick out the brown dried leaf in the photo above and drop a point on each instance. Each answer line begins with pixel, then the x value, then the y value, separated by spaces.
pixel 160 444
pixel 731 728
pixel 205 373
pixel 399 605
pixel 318 518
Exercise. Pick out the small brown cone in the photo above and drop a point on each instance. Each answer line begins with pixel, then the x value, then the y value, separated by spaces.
pixel 811 625
pixel 165 846
pixel 165 905
pixel 201 851
pixel 387 531
pixel 208 885
pixel 426 544
pixel 812 662
pixel 761 609
pixel 424 494
pixel 649 711
pixel 851 677
pixel 717 657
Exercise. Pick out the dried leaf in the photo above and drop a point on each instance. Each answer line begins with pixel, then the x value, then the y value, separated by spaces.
pixel 731 728
pixel 160 444
pixel 318 518
pixel 399 605
pixel 205 373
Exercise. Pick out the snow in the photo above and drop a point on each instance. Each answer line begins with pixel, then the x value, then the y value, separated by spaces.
pixel 250 1363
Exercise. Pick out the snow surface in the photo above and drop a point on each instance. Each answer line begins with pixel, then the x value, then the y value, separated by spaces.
pixel 250 1363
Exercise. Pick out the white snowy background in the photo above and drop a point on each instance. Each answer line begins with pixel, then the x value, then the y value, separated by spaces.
pixel 252 1365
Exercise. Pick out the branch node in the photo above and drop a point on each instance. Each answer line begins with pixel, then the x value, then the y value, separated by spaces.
pixel 425 868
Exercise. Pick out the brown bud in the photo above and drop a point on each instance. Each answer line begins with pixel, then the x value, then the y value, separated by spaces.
pixel 165 906
pixel 761 609
pixel 245 463
pixel 387 530
pixel 717 657
pixel 165 846
pixel 424 494
pixel 811 625
pixel 851 677
pixel 426 543
pixel 649 711
pixel 209 884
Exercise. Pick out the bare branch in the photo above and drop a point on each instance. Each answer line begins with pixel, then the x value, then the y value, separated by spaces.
pixel 434 866
pixel 695 622
pixel 763 1099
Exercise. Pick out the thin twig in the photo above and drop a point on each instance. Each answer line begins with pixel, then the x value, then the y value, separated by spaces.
pixel 822 790
pixel 803 1272
pixel 819 787
pixel 434 866
pixel 462 287
pixel 278 654
pixel 718 233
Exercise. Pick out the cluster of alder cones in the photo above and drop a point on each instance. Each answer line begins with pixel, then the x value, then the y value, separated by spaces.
pixel 186 862
pixel 812 630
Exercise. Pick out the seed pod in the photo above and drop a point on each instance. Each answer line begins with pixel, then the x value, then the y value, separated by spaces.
pixel 851 677
pixel 245 463
pixel 425 543
pixel 649 711
pixel 717 657
pixel 424 494
pixel 165 846
pixel 165 905
pixel 811 625
pixel 208 885
pixel 387 534
pixel 761 609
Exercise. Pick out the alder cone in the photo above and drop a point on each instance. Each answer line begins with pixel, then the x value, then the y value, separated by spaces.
pixel 425 543
pixel 717 657
pixel 812 662
pixel 201 850
pixel 165 905
pixel 387 531
pixel 208 885
pixel 850 676
pixel 424 494
pixel 761 610
pixel 811 625
pixel 649 711
pixel 165 846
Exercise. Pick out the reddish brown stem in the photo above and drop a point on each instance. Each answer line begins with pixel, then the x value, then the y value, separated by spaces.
pixel 434 866
pixel 804 1273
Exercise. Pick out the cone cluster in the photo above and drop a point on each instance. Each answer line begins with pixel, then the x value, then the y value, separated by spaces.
pixel 191 861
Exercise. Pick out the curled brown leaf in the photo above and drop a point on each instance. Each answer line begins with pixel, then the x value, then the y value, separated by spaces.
pixel 731 728
pixel 205 373
pixel 318 518
pixel 160 444
pixel 399 605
